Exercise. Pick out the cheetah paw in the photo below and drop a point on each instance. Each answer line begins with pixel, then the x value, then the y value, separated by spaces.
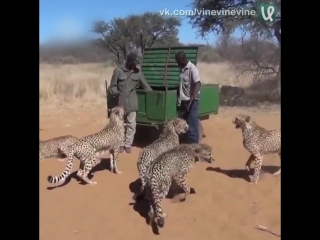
pixel 252 181
pixel 61 159
pixel 277 173
pixel 116 171
pixel 248 168
pixel 183 198
pixel 164 215
pixel 93 183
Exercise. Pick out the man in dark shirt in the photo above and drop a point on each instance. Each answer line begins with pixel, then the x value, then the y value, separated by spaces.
pixel 124 82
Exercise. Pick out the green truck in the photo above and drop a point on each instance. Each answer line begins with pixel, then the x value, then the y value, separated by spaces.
pixel 161 71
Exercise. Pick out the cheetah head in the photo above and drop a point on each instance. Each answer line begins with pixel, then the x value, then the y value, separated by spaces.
pixel 203 153
pixel 117 113
pixel 179 125
pixel 242 121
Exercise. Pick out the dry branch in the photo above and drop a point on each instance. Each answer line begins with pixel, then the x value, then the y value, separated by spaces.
pixel 263 228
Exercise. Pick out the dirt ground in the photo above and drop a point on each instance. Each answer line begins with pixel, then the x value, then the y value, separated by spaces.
pixel 224 207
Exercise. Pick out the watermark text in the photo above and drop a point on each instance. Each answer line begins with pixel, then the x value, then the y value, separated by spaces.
pixel 204 12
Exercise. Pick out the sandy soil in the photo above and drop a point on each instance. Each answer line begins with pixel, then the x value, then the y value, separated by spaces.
pixel 224 207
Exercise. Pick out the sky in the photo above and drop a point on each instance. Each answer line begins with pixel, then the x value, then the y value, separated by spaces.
pixel 72 19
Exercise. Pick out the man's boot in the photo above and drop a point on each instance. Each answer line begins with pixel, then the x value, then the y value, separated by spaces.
pixel 121 149
pixel 127 149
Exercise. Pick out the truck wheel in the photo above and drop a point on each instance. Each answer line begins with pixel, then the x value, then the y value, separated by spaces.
pixel 141 139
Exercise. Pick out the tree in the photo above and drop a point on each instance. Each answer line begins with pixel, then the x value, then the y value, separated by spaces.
pixel 225 25
pixel 136 32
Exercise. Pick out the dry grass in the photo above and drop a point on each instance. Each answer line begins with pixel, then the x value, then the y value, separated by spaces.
pixel 84 84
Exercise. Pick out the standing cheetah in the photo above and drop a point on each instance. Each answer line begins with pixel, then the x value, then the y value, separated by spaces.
pixel 50 148
pixel 109 138
pixel 173 164
pixel 168 139
pixel 258 141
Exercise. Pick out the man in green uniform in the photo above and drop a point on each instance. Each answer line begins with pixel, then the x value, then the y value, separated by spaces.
pixel 124 82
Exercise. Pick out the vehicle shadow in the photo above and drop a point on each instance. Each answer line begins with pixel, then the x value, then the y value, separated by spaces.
pixel 141 139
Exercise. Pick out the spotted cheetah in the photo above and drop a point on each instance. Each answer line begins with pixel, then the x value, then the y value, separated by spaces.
pixel 87 156
pixel 109 138
pixel 168 139
pixel 174 164
pixel 49 148
pixel 258 141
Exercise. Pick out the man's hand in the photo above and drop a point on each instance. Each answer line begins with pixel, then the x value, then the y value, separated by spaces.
pixel 115 95
pixel 189 105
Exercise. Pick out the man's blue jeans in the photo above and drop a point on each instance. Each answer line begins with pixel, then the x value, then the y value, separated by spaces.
pixel 192 119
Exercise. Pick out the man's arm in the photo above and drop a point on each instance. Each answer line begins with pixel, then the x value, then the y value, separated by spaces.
pixel 114 82
pixel 144 83
pixel 195 83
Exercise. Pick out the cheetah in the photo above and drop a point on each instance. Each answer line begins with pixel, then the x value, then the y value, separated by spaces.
pixel 258 141
pixel 50 148
pixel 174 164
pixel 87 156
pixel 109 138
pixel 168 139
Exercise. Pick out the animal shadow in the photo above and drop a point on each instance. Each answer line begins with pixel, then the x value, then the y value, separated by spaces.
pixel 141 205
pixel 243 173
pixel 103 165
pixel 173 191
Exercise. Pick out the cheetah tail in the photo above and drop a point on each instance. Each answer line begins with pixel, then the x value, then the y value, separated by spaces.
pixel 62 177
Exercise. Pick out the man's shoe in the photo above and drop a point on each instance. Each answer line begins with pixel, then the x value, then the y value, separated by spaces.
pixel 121 149
pixel 127 149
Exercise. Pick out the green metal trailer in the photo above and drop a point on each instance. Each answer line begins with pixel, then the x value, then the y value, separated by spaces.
pixel 161 71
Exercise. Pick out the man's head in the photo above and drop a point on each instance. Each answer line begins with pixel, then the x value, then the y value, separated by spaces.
pixel 181 59
pixel 132 61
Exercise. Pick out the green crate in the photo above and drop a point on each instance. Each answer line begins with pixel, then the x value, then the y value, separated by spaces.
pixel 162 73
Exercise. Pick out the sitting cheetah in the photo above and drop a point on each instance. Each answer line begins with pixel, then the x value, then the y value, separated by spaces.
pixel 173 164
pixel 50 148
pixel 168 139
pixel 258 141
pixel 109 138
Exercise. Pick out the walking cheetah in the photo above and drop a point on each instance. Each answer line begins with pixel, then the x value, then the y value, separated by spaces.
pixel 258 141
pixel 87 156
pixel 50 148
pixel 109 138
pixel 173 164
pixel 168 139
